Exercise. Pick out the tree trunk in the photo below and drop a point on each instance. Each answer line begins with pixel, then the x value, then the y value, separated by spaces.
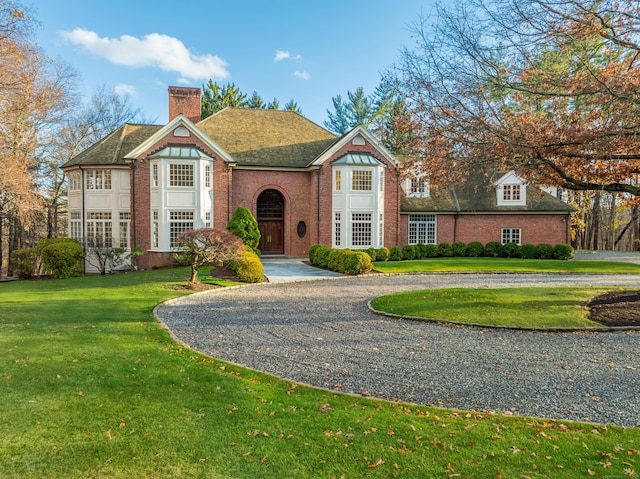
pixel 194 273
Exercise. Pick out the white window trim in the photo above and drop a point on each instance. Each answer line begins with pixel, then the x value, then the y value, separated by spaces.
pixel 511 235
pixel 426 220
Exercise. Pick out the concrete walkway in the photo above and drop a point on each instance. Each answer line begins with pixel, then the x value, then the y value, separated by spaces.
pixel 286 270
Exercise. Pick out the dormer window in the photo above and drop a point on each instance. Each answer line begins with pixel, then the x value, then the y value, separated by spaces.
pixel 511 192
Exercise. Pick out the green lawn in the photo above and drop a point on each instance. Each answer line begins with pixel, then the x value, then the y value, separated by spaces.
pixel 92 386
pixel 511 307
pixel 504 265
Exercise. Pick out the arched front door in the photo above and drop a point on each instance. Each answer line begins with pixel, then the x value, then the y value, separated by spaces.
pixel 270 210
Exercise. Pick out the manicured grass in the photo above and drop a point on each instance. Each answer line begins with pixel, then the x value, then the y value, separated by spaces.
pixel 92 386
pixel 512 307
pixel 504 265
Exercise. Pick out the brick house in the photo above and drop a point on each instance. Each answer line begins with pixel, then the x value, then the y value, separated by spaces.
pixel 143 185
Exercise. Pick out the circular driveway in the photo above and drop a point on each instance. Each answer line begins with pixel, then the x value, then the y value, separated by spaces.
pixel 321 333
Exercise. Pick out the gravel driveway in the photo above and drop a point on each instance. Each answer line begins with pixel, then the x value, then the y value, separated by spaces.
pixel 321 333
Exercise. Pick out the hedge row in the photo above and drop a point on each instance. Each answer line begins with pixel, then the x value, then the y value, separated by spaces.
pixel 60 257
pixel 493 249
pixel 340 260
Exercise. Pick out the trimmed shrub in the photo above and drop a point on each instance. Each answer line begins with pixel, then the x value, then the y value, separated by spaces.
pixel 244 226
pixel 459 248
pixel 510 250
pixel 23 262
pixel 430 250
pixel 337 259
pixel 445 250
pixel 544 251
pixel 356 262
pixel 493 249
pixel 395 254
pixel 60 259
pixel 563 251
pixel 382 254
pixel 528 251
pixel 475 249
pixel 372 253
pixel 249 269
pixel 319 255
pixel 408 252
pixel 420 251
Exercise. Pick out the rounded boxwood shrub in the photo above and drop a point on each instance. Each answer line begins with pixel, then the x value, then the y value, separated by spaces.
pixel 510 250
pixel 459 248
pixel 23 262
pixel 430 250
pixel 563 251
pixel 475 249
pixel 445 250
pixel 528 251
pixel 357 262
pixel 337 259
pixel 61 259
pixel 382 254
pixel 420 251
pixel 249 268
pixel 408 252
pixel 319 255
pixel 372 253
pixel 544 251
pixel 493 249
pixel 395 254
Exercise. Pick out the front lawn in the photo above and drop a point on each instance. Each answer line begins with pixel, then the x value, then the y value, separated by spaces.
pixel 504 265
pixel 534 307
pixel 91 385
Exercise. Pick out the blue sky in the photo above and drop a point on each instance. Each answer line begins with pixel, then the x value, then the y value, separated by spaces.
pixel 308 51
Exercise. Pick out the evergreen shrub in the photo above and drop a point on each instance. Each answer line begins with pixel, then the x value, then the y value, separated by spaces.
pixel 408 252
pixel 493 249
pixel 24 262
pixel 510 250
pixel 244 226
pixel 61 259
pixel 544 251
pixel 528 251
pixel 459 249
pixel 249 268
pixel 382 254
pixel 563 251
pixel 395 254
pixel 445 250
pixel 372 253
pixel 475 249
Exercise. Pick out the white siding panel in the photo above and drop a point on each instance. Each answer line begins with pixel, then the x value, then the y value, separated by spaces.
pixel 181 199
pixel 99 201
pixel 361 202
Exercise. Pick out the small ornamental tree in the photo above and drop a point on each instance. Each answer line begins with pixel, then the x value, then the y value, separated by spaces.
pixel 207 246
pixel 244 226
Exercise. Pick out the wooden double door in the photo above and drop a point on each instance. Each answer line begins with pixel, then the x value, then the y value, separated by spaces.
pixel 270 209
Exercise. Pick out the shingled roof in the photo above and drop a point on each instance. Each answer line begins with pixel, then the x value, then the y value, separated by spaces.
pixel 271 138
pixel 112 148
pixel 478 195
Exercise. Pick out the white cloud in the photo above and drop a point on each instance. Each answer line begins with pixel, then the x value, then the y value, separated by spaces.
pixel 302 74
pixel 124 89
pixel 281 55
pixel 153 50
pixel 298 58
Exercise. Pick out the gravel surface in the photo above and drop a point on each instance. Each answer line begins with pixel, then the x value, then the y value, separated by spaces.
pixel 321 333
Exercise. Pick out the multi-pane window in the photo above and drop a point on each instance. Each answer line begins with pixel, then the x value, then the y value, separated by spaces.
pixel 154 175
pixel 418 188
pixel 125 221
pixel 337 229
pixel 511 192
pixel 511 235
pixel 207 175
pixel 381 181
pixel 99 230
pixel 381 230
pixel 338 183
pixel 361 180
pixel 181 174
pixel 422 229
pixel 75 225
pixel 207 219
pixel 361 229
pixel 155 230
pixel 98 179
pixel 75 181
pixel 179 222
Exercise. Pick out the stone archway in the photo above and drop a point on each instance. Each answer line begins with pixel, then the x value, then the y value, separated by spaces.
pixel 270 216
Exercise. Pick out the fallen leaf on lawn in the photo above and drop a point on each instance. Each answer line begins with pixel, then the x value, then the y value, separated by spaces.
pixel 325 408
pixel 376 463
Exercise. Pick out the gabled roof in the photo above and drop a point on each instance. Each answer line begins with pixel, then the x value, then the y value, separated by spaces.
pixel 478 195
pixel 112 148
pixel 272 138
pixel 179 121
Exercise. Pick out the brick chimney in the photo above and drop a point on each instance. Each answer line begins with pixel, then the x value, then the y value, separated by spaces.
pixel 186 101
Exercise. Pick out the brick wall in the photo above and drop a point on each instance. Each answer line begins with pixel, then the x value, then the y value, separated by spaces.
pixel 299 190
pixel 536 228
